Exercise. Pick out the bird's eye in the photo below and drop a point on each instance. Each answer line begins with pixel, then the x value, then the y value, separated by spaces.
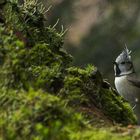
pixel 122 62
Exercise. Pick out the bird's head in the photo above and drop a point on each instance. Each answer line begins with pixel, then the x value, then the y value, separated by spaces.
pixel 123 64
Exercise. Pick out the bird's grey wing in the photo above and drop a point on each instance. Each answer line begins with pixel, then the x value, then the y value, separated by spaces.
pixel 134 81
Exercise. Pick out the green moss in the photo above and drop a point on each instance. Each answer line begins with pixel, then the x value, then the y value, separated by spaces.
pixel 25 114
pixel 22 67
pixel 86 87
pixel 115 107
pixel 31 57
pixel 39 115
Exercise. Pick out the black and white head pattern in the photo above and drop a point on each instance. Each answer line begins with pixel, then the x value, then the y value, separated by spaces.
pixel 123 64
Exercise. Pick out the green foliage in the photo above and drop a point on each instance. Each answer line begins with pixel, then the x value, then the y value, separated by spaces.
pixel 39 92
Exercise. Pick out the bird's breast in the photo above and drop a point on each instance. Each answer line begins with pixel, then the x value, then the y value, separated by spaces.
pixel 126 89
pixel 121 84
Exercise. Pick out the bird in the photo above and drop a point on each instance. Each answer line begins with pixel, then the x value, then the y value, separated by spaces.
pixel 126 81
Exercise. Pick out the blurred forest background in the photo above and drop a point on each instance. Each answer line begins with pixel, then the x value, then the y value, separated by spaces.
pixel 98 30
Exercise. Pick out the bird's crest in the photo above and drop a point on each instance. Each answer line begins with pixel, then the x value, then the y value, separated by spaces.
pixel 124 56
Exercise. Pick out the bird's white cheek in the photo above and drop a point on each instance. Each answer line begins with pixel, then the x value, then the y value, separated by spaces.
pixel 115 68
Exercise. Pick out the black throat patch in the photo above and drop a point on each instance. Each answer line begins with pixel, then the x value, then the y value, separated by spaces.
pixel 117 72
